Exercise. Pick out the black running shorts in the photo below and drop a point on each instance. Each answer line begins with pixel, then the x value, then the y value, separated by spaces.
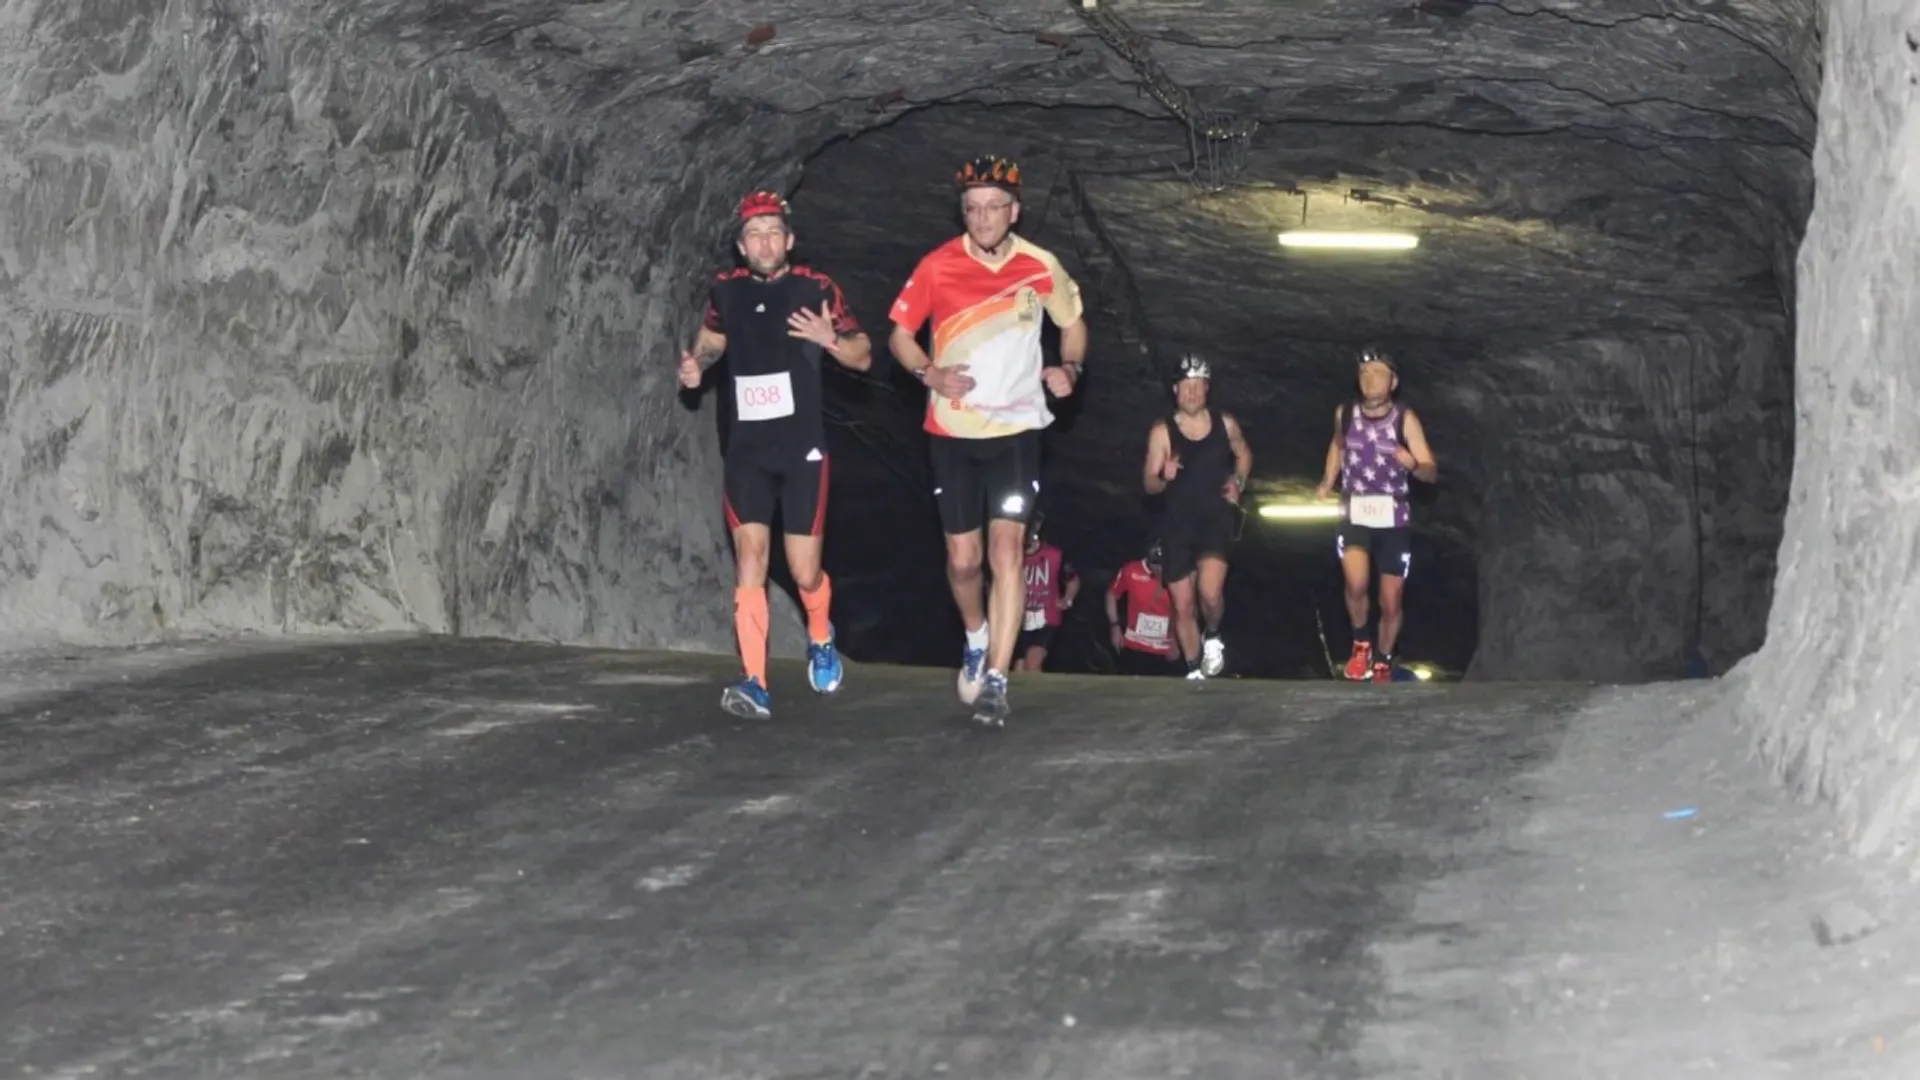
pixel 760 481
pixel 1188 534
pixel 978 480
pixel 1043 637
pixel 1390 550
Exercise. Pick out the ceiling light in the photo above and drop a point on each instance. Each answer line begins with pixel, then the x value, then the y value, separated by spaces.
pixel 1374 240
pixel 1328 511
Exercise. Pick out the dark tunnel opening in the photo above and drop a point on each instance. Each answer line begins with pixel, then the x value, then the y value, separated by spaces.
pixel 1555 343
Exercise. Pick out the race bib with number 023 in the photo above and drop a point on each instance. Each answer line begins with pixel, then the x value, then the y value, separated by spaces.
pixel 1150 627
pixel 763 397
pixel 1372 511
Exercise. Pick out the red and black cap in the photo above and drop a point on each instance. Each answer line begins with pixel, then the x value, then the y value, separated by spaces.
pixel 989 171
pixel 762 203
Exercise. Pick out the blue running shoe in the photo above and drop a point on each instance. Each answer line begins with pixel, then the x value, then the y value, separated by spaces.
pixel 747 699
pixel 973 665
pixel 990 706
pixel 823 665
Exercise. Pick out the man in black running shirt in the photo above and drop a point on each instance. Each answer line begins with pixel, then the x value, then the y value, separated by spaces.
pixel 1200 460
pixel 775 322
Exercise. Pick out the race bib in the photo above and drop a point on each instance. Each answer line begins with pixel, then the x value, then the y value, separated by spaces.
pixel 1036 619
pixel 763 397
pixel 1150 627
pixel 1373 511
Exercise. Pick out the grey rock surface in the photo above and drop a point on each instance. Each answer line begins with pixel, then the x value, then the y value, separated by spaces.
pixel 299 338
pixel 1830 695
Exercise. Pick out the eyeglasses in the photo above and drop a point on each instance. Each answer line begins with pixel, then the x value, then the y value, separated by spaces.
pixel 986 209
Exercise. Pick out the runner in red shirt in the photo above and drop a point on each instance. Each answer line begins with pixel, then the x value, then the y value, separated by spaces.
pixel 1143 644
pixel 1052 583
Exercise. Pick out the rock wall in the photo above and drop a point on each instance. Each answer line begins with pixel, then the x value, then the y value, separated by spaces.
pixel 1831 695
pixel 1594 564
pixel 297 337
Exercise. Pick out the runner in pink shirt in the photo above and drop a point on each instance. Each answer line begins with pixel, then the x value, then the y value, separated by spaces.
pixel 1052 583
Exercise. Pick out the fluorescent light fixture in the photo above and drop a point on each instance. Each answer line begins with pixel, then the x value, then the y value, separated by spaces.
pixel 1329 511
pixel 1394 241
pixel 1420 671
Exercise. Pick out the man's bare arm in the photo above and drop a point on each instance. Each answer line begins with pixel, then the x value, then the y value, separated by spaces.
pixel 1158 447
pixel 1425 468
pixel 708 346
pixel 1333 455
pixel 907 351
pixel 1073 343
pixel 1242 453
pixel 854 351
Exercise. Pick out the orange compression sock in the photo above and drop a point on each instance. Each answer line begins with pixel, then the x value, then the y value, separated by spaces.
pixel 750 624
pixel 818 603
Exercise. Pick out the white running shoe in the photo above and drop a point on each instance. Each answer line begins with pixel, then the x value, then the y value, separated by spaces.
pixel 973 671
pixel 1213 656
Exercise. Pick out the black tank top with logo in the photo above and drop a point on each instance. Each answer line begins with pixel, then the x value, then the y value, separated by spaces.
pixel 1206 464
pixel 775 376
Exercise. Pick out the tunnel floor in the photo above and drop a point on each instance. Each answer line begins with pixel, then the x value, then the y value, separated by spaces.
pixel 426 857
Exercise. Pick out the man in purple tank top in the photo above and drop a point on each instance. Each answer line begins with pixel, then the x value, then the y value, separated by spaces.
pixel 1377 443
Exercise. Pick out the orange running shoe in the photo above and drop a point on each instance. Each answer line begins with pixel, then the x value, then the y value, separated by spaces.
pixel 1357 663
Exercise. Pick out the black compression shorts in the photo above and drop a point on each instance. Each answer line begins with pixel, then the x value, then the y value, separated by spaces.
pixel 758 481
pixel 977 480
pixel 1390 550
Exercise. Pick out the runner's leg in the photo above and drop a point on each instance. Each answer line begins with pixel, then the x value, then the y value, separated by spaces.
pixel 750 551
pixel 1212 587
pixel 803 509
pixel 1213 593
pixel 1396 559
pixel 1006 553
pixel 1356 566
pixel 750 493
pixel 1186 619
pixel 1179 554
pixel 959 493
pixel 1011 483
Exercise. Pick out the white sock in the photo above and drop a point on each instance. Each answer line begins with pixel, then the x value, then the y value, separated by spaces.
pixel 977 639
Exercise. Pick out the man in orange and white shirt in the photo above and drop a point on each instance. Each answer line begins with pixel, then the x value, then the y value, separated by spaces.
pixel 987 292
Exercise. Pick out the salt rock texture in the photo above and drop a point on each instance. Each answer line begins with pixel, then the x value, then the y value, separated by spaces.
pixel 292 343
pixel 1636 506
pixel 1831 695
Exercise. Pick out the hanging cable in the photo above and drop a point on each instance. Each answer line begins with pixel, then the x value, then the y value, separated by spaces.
pixel 1216 141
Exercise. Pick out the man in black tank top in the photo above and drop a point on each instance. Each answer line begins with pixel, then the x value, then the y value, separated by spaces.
pixel 775 322
pixel 1199 458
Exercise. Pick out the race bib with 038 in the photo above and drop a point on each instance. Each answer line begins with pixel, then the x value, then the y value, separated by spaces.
pixel 763 397
pixel 1372 511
